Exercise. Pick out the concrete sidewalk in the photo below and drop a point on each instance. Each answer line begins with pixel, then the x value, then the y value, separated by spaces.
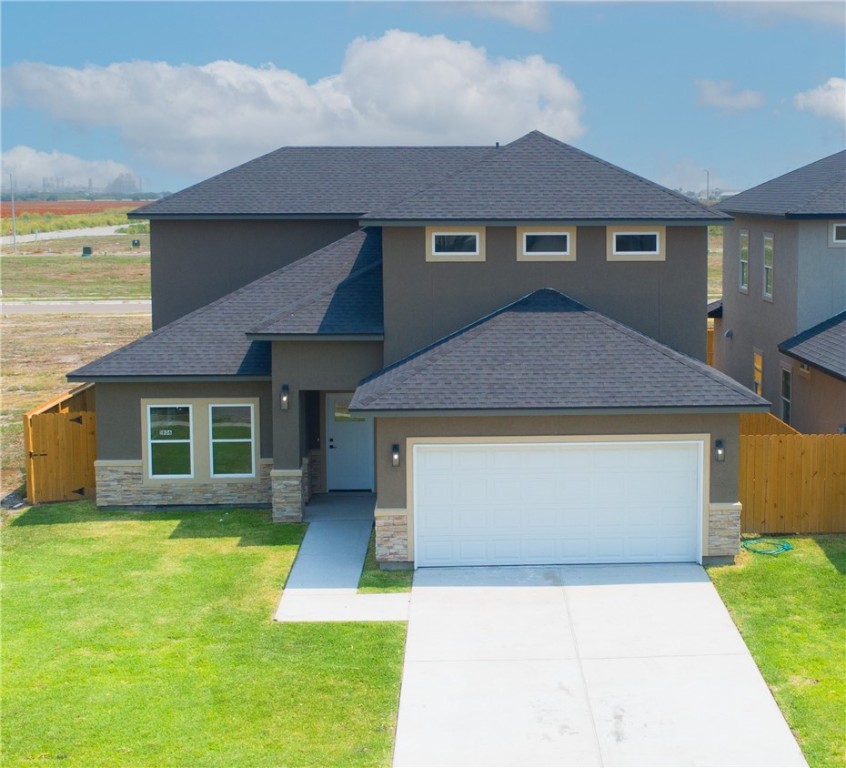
pixel 322 585
pixel 581 666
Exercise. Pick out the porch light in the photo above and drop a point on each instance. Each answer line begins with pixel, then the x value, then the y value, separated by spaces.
pixel 283 397
pixel 395 455
pixel 719 451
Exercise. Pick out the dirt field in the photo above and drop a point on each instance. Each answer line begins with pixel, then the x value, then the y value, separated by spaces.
pixel 67 207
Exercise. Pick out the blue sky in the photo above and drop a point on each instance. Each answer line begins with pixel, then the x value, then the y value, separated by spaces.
pixel 175 92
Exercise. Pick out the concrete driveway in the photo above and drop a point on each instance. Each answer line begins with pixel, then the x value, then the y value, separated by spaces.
pixel 581 665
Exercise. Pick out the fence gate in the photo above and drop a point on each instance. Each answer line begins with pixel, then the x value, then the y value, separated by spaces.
pixel 59 451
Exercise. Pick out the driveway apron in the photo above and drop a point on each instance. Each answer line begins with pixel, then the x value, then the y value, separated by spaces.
pixel 581 665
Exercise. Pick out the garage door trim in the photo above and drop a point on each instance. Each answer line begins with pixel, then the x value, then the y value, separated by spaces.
pixel 699 441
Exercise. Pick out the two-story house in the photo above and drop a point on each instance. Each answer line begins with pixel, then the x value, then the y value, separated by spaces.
pixel 504 344
pixel 783 325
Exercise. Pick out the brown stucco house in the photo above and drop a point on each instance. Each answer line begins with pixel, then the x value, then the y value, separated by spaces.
pixel 782 324
pixel 504 344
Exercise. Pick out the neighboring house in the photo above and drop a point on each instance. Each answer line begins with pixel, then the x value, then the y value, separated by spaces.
pixel 782 330
pixel 504 343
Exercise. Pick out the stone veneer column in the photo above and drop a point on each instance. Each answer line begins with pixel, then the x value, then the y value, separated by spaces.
pixel 392 545
pixel 287 495
pixel 724 530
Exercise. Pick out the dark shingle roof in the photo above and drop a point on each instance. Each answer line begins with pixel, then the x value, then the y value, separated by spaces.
pixel 345 181
pixel 815 190
pixel 212 341
pixel 540 178
pixel 823 346
pixel 715 308
pixel 547 352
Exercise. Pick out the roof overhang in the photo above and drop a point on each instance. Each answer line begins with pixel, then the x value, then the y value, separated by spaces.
pixel 807 361
pixel 502 412
pixel 232 378
pixel 717 220
pixel 315 337
pixel 244 216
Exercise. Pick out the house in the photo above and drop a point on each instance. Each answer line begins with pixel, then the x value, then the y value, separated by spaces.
pixel 783 325
pixel 503 343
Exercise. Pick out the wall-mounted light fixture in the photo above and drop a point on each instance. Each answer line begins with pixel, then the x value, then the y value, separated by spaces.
pixel 395 455
pixel 283 397
pixel 719 451
pixel 729 334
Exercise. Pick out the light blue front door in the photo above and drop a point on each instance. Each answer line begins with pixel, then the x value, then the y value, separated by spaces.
pixel 349 446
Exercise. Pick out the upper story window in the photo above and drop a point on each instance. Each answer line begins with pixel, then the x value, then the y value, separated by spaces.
pixel 769 255
pixel 170 451
pixel 838 234
pixel 546 243
pixel 455 243
pixel 744 260
pixel 635 243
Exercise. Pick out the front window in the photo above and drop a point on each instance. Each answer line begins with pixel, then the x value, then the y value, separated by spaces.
pixel 838 233
pixel 744 260
pixel 231 440
pixel 636 243
pixel 170 441
pixel 546 243
pixel 769 253
pixel 786 387
pixel 758 373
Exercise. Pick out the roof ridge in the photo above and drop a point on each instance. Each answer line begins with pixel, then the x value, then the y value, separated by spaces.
pixel 816 194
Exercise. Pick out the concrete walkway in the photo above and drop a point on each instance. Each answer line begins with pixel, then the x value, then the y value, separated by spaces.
pixel 323 582
pixel 581 665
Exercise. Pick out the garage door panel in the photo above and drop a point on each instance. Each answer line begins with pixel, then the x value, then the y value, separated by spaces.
pixel 557 503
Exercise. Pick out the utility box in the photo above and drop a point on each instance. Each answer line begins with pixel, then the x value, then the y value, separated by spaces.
pixel 136 243
pixel 86 250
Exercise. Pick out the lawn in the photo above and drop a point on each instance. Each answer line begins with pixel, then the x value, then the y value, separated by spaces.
pixel 791 611
pixel 146 639
pixel 375 580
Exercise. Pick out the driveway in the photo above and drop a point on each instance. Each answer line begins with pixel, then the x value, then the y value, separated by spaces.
pixel 581 665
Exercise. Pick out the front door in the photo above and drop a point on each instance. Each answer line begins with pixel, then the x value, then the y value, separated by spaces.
pixel 349 441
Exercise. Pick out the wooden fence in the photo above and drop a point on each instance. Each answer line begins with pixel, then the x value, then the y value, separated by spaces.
pixel 790 482
pixel 60 447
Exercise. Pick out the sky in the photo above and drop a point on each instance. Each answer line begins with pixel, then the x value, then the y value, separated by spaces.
pixel 689 94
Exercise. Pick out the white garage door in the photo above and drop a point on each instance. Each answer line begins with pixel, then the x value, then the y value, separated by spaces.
pixel 557 503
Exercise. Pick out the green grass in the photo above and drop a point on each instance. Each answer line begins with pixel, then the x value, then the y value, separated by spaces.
pixel 29 223
pixel 73 277
pixel 791 611
pixel 146 639
pixel 374 579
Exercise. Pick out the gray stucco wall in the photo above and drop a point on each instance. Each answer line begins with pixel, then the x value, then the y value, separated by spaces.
pixel 119 411
pixel 425 301
pixel 755 322
pixel 196 262
pixel 319 365
pixel 819 401
pixel 821 275
pixel 391 481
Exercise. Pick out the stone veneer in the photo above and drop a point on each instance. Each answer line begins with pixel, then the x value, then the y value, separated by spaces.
pixel 121 483
pixel 291 491
pixel 392 536
pixel 724 530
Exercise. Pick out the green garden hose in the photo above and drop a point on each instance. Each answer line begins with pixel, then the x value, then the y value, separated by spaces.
pixel 767 546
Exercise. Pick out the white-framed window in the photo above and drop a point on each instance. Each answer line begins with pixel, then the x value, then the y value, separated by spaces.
pixel 636 243
pixel 546 243
pixel 231 445
pixel 170 436
pixel 838 234
pixel 743 253
pixel 769 263
pixel 455 244
pixel 786 393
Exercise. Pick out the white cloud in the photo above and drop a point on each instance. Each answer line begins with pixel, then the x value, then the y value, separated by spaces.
pixel 30 167
pixel 829 14
pixel 689 176
pixel 711 93
pixel 528 14
pixel 400 88
pixel 826 100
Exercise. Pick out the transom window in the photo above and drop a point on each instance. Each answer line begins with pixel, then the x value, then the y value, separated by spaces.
pixel 838 233
pixel 636 243
pixel 455 244
pixel 768 265
pixel 231 440
pixel 744 260
pixel 546 243
pixel 171 441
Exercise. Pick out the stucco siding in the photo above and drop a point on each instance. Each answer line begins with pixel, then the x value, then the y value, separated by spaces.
pixel 819 401
pixel 425 301
pixel 821 275
pixel 195 262
pixel 119 411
